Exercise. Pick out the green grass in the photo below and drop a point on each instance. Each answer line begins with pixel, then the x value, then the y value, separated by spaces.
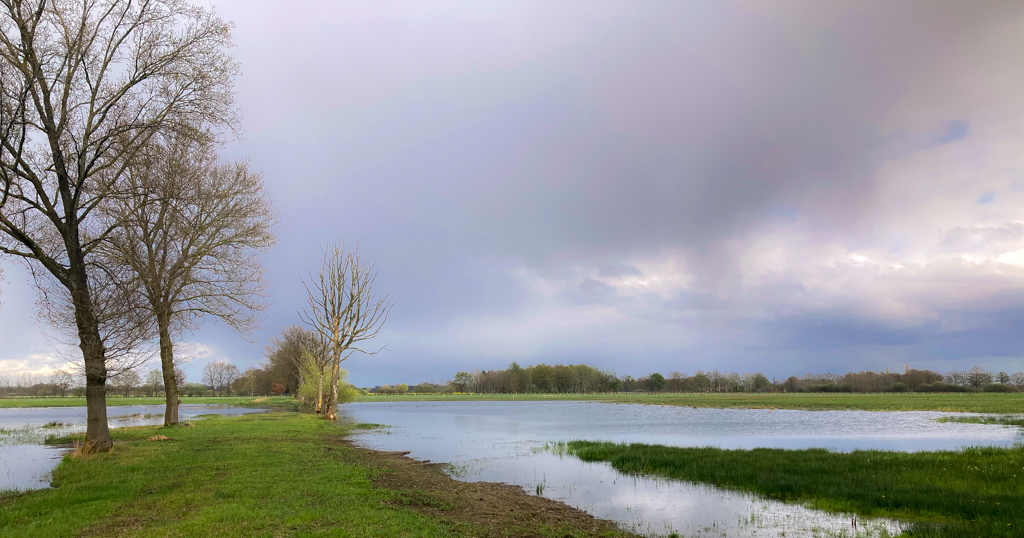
pixel 959 402
pixel 1007 420
pixel 956 402
pixel 282 402
pixel 278 474
pixel 976 492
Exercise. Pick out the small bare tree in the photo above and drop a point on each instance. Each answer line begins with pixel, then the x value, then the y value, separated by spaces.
pixel 153 379
pixel 211 375
pixel 126 380
pixel 83 86
pixel 250 380
pixel 63 379
pixel 228 376
pixel 344 311
pixel 191 231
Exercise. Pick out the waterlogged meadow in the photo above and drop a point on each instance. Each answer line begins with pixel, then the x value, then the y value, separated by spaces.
pixel 974 492
pixel 516 442
pixel 25 458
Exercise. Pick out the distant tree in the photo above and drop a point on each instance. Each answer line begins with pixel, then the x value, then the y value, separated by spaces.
pixel 657 382
pixel 193 389
pixel 423 388
pixel 153 379
pixel 676 381
pixel 126 381
pixel 462 381
pixel 1004 378
pixel 250 377
pixel 759 382
pixel 179 376
pixel 701 382
pixel 956 377
pixel 229 374
pixel 518 378
pixel 401 388
pixel 1018 380
pixel 62 379
pixel 978 377
pixel 284 356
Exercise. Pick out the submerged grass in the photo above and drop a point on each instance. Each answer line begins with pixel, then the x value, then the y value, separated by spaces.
pixel 1006 420
pixel 255 475
pixel 984 402
pixel 976 492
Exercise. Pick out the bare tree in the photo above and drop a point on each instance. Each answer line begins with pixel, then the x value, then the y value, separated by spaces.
pixel 126 381
pixel 153 379
pixel 344 311
pixel 63 379
pixel 84 86
pixel 978 377
pixel 211 375
pixel 192 228
pixel 250 377
pixel 228 374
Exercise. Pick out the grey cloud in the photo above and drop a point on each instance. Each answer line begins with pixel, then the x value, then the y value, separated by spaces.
pixel 967 239
pixel 466 144
pixel 590 291
pixel 614 270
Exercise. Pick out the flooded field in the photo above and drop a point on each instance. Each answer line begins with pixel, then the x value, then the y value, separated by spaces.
pixel 514 442
pixel 25 463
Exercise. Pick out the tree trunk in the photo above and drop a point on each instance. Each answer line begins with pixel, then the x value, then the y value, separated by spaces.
pixel 320 391
pixel 163 321
pixel 331 409
pixel 97 434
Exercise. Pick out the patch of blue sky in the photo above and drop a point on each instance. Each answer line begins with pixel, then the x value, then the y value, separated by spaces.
pixel 953 131
pixel 784 214
pixel 987 197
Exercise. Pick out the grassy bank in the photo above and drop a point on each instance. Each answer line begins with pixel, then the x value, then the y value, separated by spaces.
pixel 1001 421
pixel 977 492
pixel 271 475
pixel 247 401
pixel 958 402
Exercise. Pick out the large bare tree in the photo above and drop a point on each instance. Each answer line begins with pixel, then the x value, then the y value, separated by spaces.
pixel 191 230
pixel 83 86
pixel 344 311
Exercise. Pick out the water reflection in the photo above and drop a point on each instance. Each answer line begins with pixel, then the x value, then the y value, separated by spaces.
pixel 25 463
pixel 505 441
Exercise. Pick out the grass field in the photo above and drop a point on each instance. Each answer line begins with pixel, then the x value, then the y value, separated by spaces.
pixel 976 492
pixel 957 402
pixel 280 474
pixel 962 402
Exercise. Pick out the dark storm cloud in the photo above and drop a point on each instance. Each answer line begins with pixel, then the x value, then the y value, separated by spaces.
pixel 663 181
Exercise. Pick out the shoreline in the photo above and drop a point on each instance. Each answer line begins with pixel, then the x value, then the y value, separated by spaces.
pixel 275 474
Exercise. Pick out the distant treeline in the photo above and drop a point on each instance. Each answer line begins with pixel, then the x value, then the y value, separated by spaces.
pixel 279 375
pixel 583 378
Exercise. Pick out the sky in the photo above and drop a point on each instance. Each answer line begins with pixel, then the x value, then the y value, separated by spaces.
pixel 783 187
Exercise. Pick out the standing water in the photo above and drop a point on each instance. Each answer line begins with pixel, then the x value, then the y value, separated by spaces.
pixel 509 442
